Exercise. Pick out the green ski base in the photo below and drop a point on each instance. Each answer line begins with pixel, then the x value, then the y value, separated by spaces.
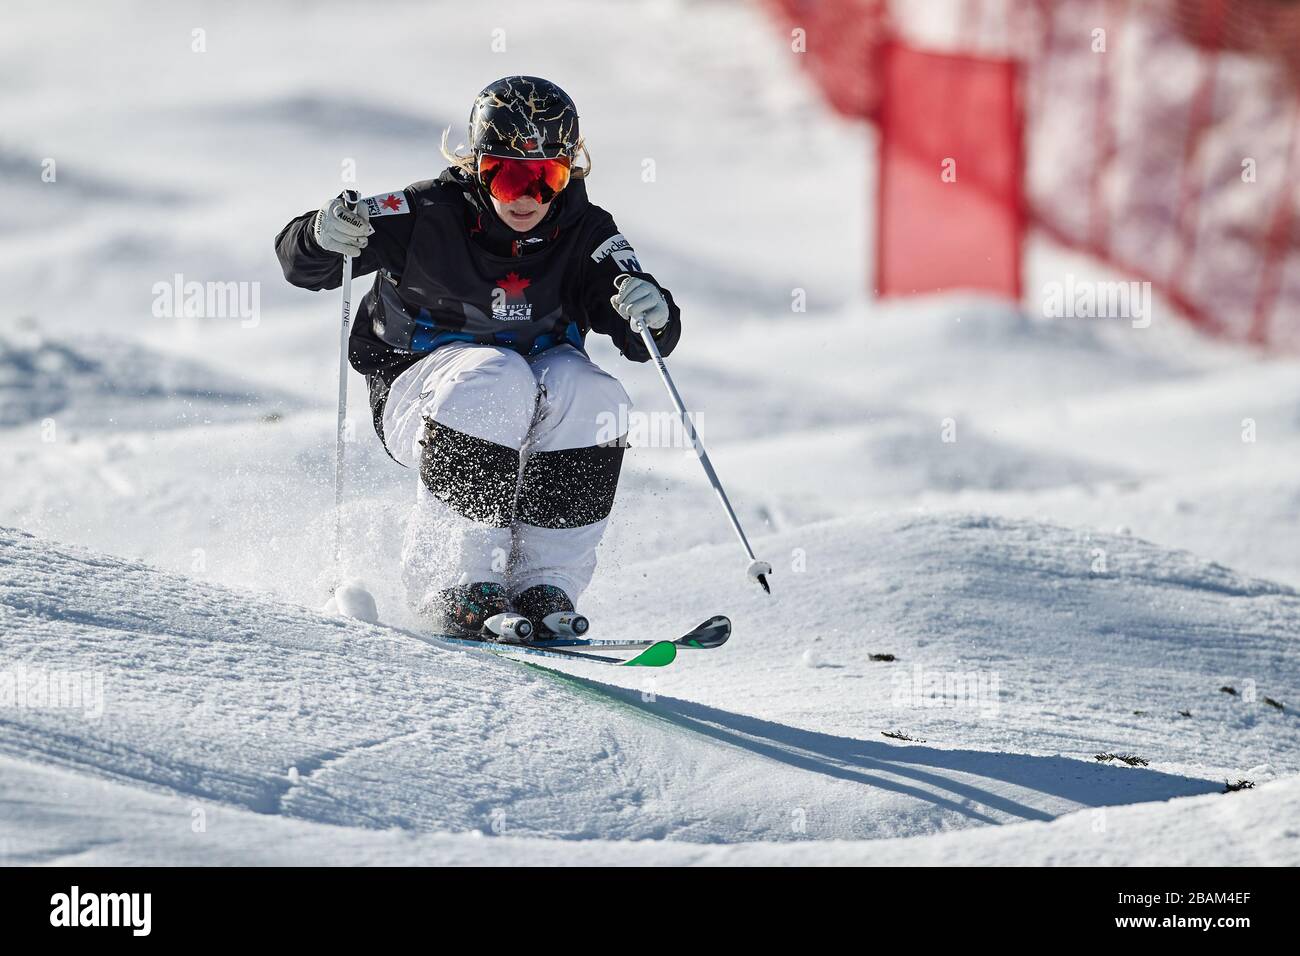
pixel 659 654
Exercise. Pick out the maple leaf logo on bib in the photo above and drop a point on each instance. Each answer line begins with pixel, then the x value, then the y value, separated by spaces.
pixel 514 285
pixel 508 302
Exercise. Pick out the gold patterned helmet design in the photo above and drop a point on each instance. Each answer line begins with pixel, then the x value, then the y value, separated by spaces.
pixel 525 117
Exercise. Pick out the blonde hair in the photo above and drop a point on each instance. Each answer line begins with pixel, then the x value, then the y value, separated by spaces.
pixel 465 161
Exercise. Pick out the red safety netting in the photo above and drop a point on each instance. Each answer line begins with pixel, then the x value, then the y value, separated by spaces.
pixel 1160 136
pixel 950 155
pixel 834 39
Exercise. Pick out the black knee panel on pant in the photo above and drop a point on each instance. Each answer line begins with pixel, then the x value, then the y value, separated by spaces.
pixel 472 476
pixel 571 487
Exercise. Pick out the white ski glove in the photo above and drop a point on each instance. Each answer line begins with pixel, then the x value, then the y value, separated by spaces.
pixel 339 229
pixel 639 300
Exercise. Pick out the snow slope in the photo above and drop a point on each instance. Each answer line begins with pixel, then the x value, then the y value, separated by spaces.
pixel 1095 555
pixel 236 701
pixel 99 383
pixel 98 823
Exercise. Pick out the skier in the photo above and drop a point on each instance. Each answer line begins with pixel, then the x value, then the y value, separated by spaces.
pixel 488 280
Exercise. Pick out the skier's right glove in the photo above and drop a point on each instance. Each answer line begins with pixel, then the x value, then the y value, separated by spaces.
pixel 639 300
pixel 342 230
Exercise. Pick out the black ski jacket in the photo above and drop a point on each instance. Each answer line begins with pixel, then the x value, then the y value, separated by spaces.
pixel 448 269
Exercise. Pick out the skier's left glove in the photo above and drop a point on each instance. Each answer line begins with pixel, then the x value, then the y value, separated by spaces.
pixel 639 300
pixel 339 229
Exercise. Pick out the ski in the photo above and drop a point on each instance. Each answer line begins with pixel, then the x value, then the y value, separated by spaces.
pixel 652 653
pixel 712 633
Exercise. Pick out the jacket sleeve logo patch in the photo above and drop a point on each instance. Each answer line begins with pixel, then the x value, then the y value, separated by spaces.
pixel 387 204
pixel 612 246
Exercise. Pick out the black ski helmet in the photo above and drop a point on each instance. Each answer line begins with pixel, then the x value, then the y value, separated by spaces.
pixel 526 117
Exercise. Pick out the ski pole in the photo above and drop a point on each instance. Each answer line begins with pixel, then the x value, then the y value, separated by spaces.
pixel 350 199
pixel 757 570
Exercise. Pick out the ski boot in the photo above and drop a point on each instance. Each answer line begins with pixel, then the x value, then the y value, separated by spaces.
pixel 477 612
pixel 551 612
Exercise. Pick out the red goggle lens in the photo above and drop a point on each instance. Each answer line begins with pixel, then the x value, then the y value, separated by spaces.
pixel 507 178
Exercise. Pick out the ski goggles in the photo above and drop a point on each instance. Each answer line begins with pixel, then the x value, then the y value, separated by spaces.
pixel 507 178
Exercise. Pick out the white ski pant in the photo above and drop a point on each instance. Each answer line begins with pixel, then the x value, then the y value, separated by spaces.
pixel 518 459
